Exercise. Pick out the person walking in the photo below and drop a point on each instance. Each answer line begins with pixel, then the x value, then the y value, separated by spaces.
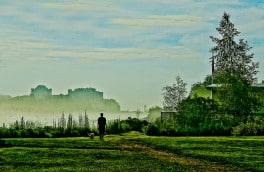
pixel 101 126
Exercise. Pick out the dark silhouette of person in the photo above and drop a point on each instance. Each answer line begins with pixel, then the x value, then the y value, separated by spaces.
pixel 101 126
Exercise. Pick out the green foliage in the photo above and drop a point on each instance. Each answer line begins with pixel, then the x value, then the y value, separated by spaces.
pixel 252 127
pixel 235 70
pixel 42 132
pixel 195 110
pixel 198 117
pixel 239 98
pixel 199 90
pixel 122 126
pixel 210 79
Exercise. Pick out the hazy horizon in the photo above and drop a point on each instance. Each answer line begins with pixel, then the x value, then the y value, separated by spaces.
pixel 129 50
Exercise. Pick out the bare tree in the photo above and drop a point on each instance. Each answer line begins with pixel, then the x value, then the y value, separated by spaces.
pixel 174 95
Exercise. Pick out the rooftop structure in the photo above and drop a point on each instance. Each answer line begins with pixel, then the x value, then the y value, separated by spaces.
pixel 41 91
pixel 213 88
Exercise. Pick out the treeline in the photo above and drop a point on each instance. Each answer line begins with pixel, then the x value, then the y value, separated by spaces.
pixel 198 117
pixel 63 127
pixel 202 117
pixel 35 130
pixel 68 127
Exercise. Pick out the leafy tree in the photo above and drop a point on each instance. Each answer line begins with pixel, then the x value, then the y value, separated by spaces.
pixel 234 70
pixel 173 95
pixel 210 79
pixel 195 110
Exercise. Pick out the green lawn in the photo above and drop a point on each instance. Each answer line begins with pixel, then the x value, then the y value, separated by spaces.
pixel 76 154
pixel 133 152
pixel 244 152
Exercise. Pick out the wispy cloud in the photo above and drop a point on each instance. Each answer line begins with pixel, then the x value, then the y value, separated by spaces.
pixel 77 6
pixel 168 35
pixel 125 53
pixel 171 20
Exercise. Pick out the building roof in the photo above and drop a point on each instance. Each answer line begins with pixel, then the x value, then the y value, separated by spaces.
pixel 41 87
pixel 261 86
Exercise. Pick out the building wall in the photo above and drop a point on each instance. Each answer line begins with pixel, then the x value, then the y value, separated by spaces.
pixel 85 93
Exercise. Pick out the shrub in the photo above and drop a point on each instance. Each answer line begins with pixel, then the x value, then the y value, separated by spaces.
pixel 251 127
pixel 4 132
pixel 152 130
pixel 117 126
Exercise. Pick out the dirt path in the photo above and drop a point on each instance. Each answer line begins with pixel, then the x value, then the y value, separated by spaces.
pixel 192 163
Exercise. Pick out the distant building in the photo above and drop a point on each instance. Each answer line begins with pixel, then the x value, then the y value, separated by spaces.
pixel 85 93
pixel 41 91
pixel 75 100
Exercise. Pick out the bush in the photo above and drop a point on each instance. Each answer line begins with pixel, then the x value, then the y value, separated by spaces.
pixel 117 126
pixel 214 125
pixel 4 132
pixel 252 127
pixel 152 130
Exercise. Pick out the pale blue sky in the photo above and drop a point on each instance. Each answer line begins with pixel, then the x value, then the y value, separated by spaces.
pixel 127 49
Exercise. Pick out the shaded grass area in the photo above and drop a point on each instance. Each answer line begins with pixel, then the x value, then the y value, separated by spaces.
pixel 63 159
pixel 76 154
pixel 71 142
pixel 244 152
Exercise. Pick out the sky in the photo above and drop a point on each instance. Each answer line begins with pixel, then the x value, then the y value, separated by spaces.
pixel 128 49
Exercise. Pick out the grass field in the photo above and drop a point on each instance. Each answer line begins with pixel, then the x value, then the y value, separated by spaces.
pixel 133 152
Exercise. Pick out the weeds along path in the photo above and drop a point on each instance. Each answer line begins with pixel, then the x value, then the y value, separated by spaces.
pixel 189 162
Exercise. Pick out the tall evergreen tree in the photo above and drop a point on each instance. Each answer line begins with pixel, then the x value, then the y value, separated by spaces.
pixel 234 69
